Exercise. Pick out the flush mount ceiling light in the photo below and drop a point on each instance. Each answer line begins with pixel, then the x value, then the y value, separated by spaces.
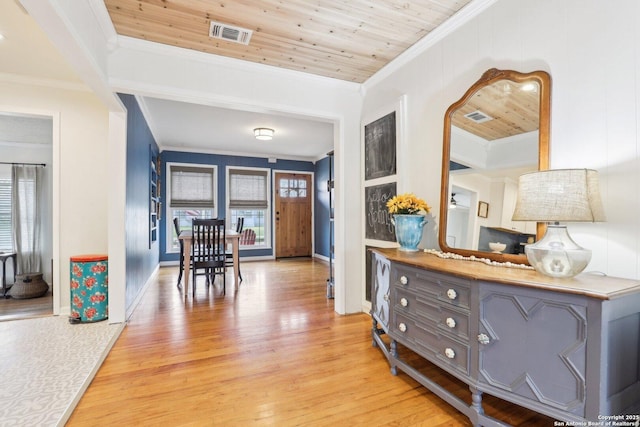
pixel 264 134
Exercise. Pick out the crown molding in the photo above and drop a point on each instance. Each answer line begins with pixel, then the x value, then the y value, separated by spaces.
pixel 147 117
pixel 464 15
pixel 43 82
pixel 162 148
pixel 22 145
pixel 100 12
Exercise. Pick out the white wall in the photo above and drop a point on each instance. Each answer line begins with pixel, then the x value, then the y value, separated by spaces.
pixel 591 49
pixel 80 151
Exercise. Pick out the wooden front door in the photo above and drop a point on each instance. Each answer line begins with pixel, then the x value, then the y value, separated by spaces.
pixel 293 214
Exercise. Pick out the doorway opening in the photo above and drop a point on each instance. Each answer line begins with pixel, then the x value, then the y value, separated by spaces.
pixel 26 139
pixel 461 219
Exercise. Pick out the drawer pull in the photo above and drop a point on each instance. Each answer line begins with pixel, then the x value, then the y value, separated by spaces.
pixel 402 327
pixel 483 339
pixel 404 302
pixel 449 353
pixel 451 322
pixel 452 294
pixel 404 280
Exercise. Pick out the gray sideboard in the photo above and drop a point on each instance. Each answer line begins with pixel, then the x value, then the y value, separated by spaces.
pixel 566 348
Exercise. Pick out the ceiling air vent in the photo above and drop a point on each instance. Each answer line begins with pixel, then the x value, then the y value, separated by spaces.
pixel 478 116
pixel 227 32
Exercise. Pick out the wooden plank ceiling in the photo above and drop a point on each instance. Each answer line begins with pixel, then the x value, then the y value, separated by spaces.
pixel 344 39
pixel 513 108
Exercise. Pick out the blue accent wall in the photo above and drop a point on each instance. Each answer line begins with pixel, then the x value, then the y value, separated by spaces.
pixel 141 255
pixel 222 161
pixel 322 214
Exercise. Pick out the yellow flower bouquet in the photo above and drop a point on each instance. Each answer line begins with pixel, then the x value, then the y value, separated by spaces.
pixel 407 204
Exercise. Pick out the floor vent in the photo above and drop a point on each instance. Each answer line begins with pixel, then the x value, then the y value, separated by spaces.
pixel 227 32
pixel 478 116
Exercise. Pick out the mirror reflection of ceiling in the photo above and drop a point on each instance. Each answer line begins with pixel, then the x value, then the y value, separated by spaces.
pixel 497 129
pixel 501 110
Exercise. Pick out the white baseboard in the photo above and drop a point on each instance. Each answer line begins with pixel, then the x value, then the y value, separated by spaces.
pixel 152 279
pixel 321 257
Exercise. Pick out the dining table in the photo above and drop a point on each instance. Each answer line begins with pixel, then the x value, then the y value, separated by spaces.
pixel 231 236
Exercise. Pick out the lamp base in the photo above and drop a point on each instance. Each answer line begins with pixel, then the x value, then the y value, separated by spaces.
pixel 556 254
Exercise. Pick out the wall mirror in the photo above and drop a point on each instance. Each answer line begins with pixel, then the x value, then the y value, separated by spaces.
pixel 496 132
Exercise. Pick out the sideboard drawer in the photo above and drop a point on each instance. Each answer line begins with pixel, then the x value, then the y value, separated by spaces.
pixel 407 301
pixel 430 343
pixel 451 320
pixel 447 289
pixel 455 322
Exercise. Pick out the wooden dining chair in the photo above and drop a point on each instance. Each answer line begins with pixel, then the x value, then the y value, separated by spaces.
pixel 176 225
pixel 229 251
pixel 208 251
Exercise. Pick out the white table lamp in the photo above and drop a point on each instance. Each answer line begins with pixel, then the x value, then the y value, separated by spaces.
pixel 554 196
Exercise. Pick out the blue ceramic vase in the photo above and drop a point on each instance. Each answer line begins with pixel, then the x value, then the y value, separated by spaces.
pixel 409 231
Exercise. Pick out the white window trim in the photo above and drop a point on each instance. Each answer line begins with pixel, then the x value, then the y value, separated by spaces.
pixel 267 216
pixel 166 177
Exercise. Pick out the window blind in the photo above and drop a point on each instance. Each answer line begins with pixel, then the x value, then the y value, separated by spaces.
pixel 5 214
pixel 247 189
pixel 191 187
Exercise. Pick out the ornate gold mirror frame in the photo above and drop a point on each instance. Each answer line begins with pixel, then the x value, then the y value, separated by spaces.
pixel 516 104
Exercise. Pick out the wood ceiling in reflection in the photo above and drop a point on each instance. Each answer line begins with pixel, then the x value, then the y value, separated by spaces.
pixel 344 39
pixel 513 111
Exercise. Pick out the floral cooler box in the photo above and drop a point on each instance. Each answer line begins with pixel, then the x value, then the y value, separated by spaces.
pixel 89 288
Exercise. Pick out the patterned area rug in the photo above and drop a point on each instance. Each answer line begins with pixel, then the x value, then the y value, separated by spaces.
pixel 47 365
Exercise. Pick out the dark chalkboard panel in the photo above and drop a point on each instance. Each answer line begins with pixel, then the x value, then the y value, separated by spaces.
pixel 380 147
pixel 378 220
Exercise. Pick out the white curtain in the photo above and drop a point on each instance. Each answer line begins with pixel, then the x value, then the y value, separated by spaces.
pixel 26 192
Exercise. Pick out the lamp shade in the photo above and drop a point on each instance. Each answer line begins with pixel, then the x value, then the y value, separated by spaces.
pixel 559 195
pixel 263 133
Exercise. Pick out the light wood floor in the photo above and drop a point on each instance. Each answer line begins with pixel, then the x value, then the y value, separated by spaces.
pixel 274 353
pixel 14 309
